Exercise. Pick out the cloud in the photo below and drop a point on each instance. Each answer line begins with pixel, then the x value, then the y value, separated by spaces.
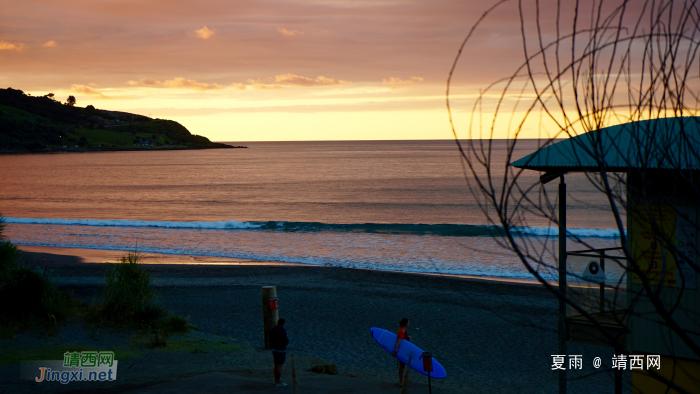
pixel 50 44
pixel 289 32
pixel 364 105
pixel 291 79
pixel 399 81
pixel 297 80
pixel 321 80
pixel 90 91
pixel 183 83
pixel 176 83
pixel 8 46
pixel 87 90
pixel 258 84
pixel 262 86
pixel 285 80
pixel 204 33
pixel 151 82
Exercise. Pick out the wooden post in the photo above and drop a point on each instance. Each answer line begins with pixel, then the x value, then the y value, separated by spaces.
pixel 602 284
pixel 428 367
pixel 561 329
pixel 270 316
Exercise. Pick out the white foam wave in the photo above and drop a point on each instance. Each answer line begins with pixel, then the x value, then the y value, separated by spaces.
pixel 236 225
pixel 227 225
pixel 577 232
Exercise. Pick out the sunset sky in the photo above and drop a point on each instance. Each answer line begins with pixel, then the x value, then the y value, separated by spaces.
pixel 263 70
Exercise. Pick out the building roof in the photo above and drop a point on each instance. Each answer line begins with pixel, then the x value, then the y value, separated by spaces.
pixel 668 143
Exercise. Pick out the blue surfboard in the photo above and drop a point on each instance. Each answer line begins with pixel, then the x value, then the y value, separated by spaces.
pixel 407 350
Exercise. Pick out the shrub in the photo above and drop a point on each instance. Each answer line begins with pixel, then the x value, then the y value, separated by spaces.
pixel 30 298
pixel 8 262
pixel 128 300
pixel 22 297
pixel 175 324
pixel 2 228
pixel 8 256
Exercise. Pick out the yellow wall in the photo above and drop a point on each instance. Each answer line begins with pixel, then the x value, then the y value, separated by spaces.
pixel 683 372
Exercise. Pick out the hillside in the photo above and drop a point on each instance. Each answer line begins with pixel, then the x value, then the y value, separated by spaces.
pixel 43 124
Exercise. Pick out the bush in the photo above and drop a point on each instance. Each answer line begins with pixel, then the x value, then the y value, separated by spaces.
pixel 2 228
pixel 8 256
pixel 30 298
pixel 128 300
pixel 175 324
pixel 23 295
pixel 8 262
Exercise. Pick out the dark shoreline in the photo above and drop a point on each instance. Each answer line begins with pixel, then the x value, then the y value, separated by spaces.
pixel 74 150
pixel 75 258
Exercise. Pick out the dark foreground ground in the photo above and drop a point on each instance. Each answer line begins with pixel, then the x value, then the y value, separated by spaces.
pixel 491 337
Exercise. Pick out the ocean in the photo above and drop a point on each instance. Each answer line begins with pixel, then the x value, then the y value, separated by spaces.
pixel 390 205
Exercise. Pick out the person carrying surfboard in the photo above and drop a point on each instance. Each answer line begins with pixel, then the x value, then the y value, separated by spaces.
pixel 279 341
pixel 407 352
pixel 401 335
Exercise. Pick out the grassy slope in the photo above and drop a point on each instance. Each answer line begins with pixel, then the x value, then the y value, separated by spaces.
pixel 98 137
pixel 38 123
pixel 19 114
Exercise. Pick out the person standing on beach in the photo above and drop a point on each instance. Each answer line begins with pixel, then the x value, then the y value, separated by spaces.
pixel 279 341
pixel 400 336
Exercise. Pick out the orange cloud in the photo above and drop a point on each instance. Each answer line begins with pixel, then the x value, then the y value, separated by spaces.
pixel 8 46
pixel 87 90
pixel 50 44
pixel 151 82
pixel 297 80
pixel 258 84
pixel 321 80
pixel 176 83
pixel 285 80
pixel 204 33
pixel 183 83
pixel 263 86
pixel 90 91
pixel 289 32
pixel 399 81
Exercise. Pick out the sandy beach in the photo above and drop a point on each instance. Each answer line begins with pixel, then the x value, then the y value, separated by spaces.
pixel 491 336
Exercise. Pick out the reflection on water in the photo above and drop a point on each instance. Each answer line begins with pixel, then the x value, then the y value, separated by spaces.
pixel 354 204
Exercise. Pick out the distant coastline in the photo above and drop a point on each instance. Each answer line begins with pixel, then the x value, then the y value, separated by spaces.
pixel 116 149
pixel 31 124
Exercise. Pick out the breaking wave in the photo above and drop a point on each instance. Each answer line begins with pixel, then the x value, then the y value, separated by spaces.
pixel 454 230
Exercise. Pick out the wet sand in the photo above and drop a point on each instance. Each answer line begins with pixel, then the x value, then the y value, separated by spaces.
pixel 490 336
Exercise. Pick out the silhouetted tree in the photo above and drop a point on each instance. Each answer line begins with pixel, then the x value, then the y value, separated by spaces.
pixel 586 66
pixel 71 101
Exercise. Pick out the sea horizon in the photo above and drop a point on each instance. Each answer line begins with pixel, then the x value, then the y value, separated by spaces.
pixel 400 205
